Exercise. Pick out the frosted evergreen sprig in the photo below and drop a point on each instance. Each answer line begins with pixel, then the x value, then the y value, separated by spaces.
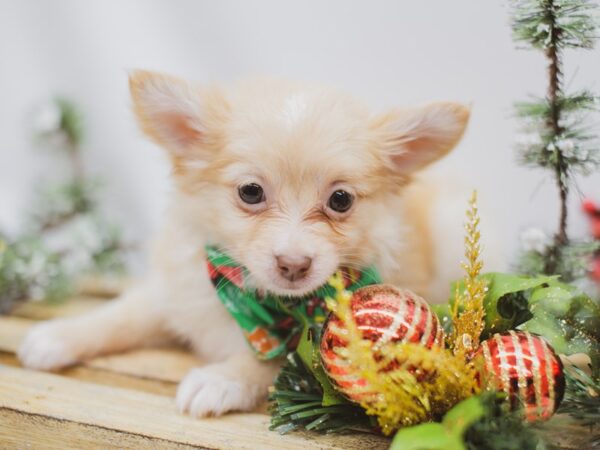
pixel 573 259
pixel 538 22
pixel 577 144
pixel 66 235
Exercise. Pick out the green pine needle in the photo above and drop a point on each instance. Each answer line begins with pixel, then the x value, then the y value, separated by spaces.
pixel 297 403
pixel 582 399
pixel 535 22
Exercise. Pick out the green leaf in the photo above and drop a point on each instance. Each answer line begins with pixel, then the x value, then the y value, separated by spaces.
pixel 568 319
pixel 444 315
pixel 305 346
pixel 308 349
pixel 427 436
pixel 447 435
pixel 330 395
pixel 463 415
pixel 506 301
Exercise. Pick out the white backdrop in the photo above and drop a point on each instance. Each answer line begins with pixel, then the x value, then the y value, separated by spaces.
pixel 386 52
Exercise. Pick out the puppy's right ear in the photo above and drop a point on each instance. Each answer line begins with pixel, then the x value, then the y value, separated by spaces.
pixel 174 113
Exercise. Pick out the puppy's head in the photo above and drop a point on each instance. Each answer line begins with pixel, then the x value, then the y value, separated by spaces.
pixel 291 181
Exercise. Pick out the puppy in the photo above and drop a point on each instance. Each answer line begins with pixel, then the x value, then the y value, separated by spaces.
pixel 292 182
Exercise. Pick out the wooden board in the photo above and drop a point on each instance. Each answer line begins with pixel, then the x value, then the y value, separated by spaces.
pixel 107 378
pixel 123 401
pixel 45 311
pixel 46 409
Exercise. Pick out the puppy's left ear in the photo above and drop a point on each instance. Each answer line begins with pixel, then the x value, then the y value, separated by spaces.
pixel 414 138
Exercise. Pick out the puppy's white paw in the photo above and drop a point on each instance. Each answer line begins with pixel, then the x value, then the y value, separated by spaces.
pixel 46 348
pixel 205 392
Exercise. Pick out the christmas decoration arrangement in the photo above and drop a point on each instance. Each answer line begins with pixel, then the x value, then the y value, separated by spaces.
pixel 66 235
pixel 448 376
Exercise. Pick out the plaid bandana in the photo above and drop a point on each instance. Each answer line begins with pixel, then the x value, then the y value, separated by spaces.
pixel 272 324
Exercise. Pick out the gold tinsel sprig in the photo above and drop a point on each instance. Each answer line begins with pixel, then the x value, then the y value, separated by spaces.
pixel 468 311
pixel 405 383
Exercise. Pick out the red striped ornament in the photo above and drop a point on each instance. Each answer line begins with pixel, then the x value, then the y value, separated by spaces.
pixel 527 369
pixel 383 314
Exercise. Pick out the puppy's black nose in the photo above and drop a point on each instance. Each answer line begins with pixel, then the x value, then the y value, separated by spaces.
pixel 293 268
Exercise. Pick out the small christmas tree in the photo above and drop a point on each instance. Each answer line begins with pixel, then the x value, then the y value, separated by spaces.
pixel 66 235
pixel 558 137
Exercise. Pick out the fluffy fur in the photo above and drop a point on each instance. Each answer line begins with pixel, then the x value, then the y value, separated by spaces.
pixel 300 143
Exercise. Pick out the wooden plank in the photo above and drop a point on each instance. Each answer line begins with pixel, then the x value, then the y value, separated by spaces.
pixel 103 286
pixel 67 308
pixel 107 378
pixel 566 434
pixel 124 416
pixel 20 430
pixel 12 332
pixel 164 364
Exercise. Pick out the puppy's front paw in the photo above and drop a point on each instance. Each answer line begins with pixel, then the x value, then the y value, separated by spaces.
pixel 47 348
pixel 206 392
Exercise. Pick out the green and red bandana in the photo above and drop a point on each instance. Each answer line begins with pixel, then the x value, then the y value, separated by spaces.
pixel 273 324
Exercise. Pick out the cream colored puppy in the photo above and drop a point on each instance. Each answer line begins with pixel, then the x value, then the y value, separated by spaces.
pixel 292 181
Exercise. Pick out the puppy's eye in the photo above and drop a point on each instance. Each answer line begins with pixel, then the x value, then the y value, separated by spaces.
pixel 340 201
pixel 251 193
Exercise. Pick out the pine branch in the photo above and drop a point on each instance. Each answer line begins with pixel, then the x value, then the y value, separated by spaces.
pixel 582 399
pixel 296 403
